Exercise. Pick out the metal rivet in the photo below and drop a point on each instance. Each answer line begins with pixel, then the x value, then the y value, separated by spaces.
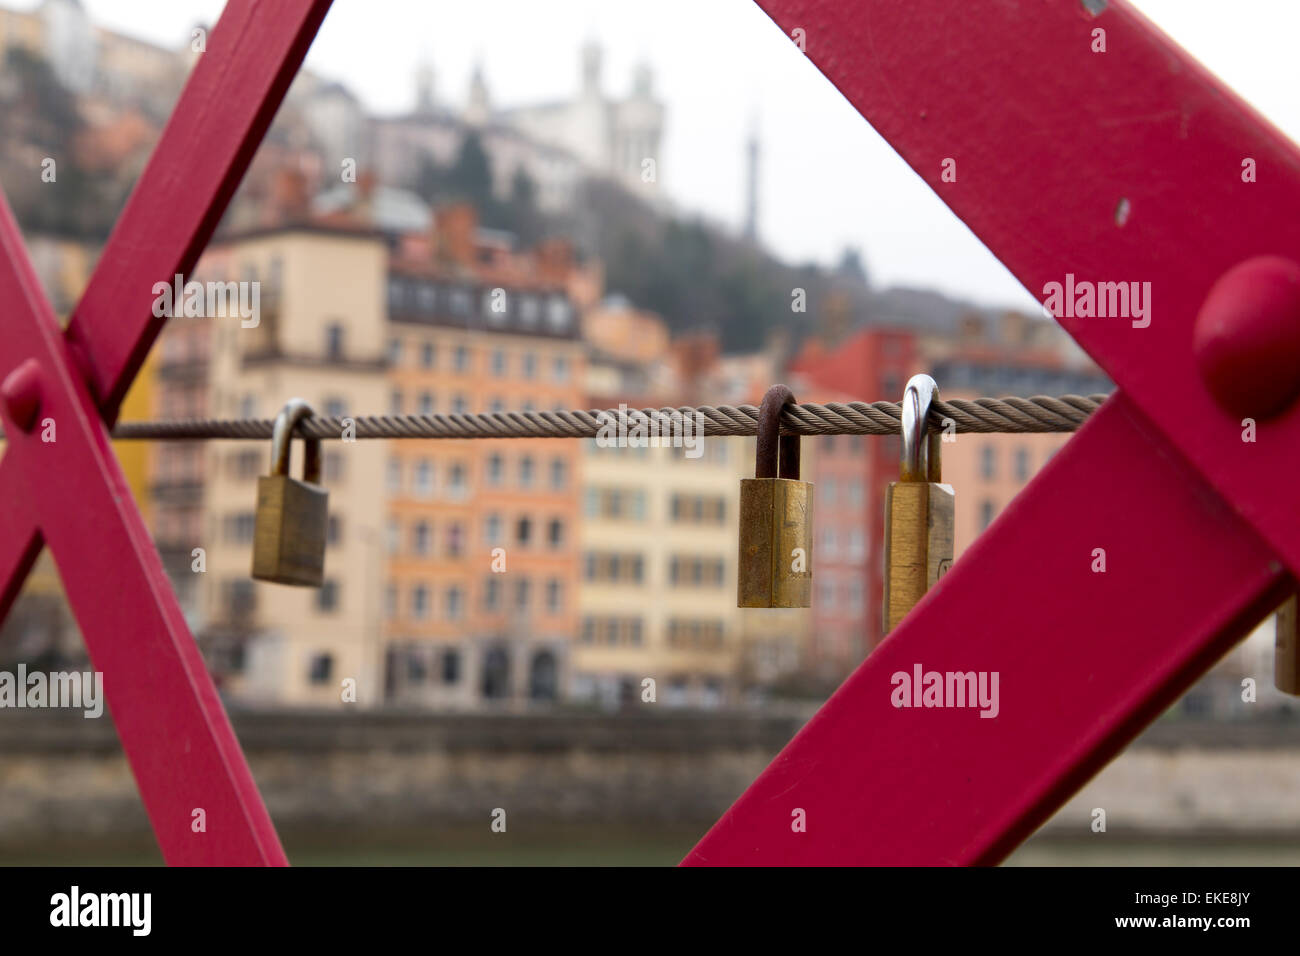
pixel 21 391
pixel 1246 340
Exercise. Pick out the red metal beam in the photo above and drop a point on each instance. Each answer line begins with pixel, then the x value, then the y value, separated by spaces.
pixel 173 728
pixel 1117 166
pixel 1084 661
pixel 1049 137
pixel 227 105
pixel 20 542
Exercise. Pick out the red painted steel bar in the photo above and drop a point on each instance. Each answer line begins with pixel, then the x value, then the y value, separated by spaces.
pixel 1084 660
pixel 1048 143
pixel 1049 138
pixel 228 104
pixel 1116 166
pixel 174 730
pixel 20 542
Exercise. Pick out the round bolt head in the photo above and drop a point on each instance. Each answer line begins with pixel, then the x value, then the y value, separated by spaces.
pixel 1246 341
pixel 21 392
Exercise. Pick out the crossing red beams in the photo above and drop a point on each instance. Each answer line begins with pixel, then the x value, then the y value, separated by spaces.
pixel 70 492
pixel 1051 139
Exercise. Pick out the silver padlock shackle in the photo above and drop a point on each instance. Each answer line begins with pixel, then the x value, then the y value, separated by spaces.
pixel 920 459
pixel 294 411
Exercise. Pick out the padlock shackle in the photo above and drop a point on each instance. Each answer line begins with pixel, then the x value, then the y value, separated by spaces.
pixel 294 411
pixel 920 458
pixel 773 447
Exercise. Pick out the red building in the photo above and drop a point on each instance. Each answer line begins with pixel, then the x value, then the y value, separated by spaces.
pixel 851 474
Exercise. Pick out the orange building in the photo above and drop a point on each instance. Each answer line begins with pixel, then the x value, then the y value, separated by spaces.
pixel 481 599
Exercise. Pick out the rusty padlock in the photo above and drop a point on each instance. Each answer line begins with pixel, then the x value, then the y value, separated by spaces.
pixel 292 515
pixel 919 510
pixel 775 564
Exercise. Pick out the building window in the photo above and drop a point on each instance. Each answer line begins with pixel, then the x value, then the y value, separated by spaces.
pixel 526 471
pixel 416 671
pixel 554 596
pixel 420 602
pixel 451 667
pixel 394 474
pixel 395 402
pixel 460 301
pixel 240 597
pixel 857 544
pixel 240 527
pixel 459 404
pixel 393 539
pixel 522 587
pixel 453 603
pixel 555 533
pixel 424 298
pixel 456 480
pixel 987 512
pixel 424 478
pixel 560 369
pixel 334 341
pixel 543 677
pixel 498 363
pixel 335 407
pixel 322 666
pixel 426 403
pixel 827 492
pixel 395 351
pixel 420 538
pixel 987 461
pixel 559 474
pixel 428 355
pixel 492 594
pixel 461 359
pixel 557 313
pixel 334 530
pixel 529 310
pixel 492 529
pixel 455 539
pixel 523 531
pixel 332 466
pixel 396 294
pixel 495 469
pixel 1022 464
pixel 327 596
pixel 530 366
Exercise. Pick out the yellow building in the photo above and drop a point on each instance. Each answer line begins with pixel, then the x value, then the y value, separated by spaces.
pixel 318 335
pixel 658 599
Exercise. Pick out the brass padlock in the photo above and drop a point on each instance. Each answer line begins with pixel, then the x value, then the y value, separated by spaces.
pixel 919 510
pixel 775 565
pixel 292 515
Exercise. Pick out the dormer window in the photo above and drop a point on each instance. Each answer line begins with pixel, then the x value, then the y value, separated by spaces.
pixel 557 314
pixel 529 310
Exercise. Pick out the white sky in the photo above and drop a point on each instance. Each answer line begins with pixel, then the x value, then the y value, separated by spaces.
pixel 827 179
